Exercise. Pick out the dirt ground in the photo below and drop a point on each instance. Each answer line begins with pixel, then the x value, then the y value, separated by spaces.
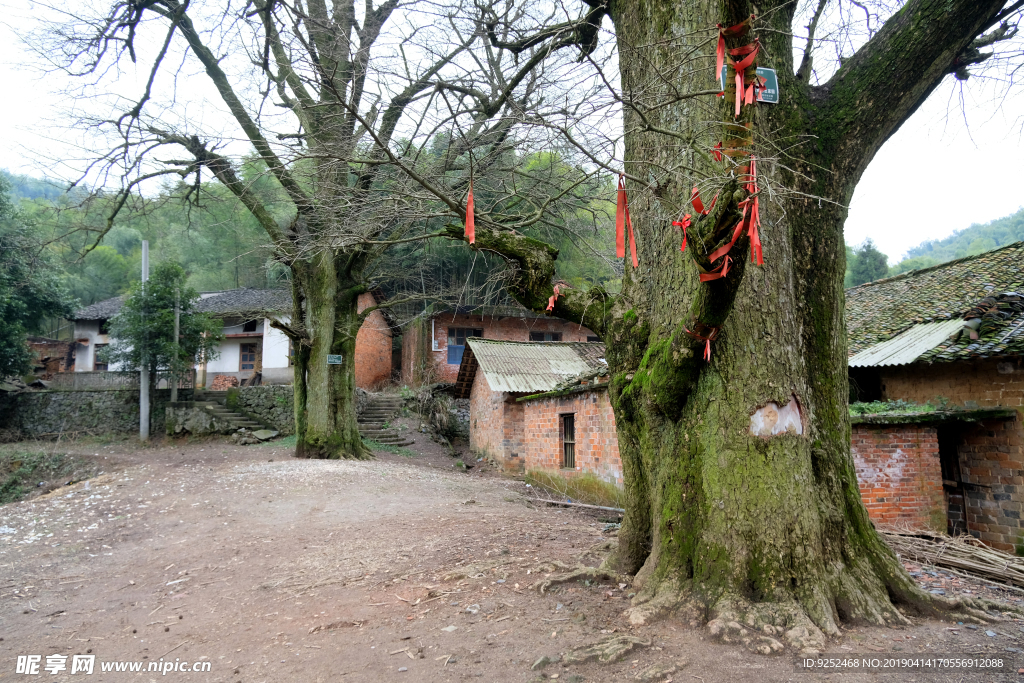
pixel 402 568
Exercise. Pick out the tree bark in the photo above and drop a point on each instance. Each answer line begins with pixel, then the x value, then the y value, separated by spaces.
pixel 764 534
pixel 761 531
pixel 325 415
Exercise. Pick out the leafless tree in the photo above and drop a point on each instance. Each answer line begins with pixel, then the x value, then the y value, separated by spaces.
pixel 372 120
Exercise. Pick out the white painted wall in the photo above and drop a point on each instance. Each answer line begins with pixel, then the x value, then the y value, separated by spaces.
pixel 275 346
pixel 85 352
pixel 227 361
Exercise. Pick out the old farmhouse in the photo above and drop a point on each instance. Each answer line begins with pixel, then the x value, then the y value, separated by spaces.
pixel 432 344
pixel 252 346
pixel 540 406
pixel 948 341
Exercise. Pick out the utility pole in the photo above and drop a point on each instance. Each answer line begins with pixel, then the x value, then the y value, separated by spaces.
pixel 177 324
pixel 144 375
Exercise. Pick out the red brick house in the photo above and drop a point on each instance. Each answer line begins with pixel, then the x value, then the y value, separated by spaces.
pixel 950 336
pixel 540 405
pixel 432 345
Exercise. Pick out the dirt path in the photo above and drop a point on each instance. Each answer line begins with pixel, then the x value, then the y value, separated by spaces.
pixel 274 569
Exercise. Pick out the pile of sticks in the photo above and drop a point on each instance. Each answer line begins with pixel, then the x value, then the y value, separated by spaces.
pixel 964 553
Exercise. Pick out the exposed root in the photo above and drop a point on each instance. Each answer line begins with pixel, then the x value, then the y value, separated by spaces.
pixel 574 574
pixel 605 651
pixel 473 571
pixel 658 671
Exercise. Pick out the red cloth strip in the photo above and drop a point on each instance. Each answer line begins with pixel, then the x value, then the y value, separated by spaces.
pixel 726 248
pixel 750 51
pixel 684 224
pixel 712 335
pixel 716 151
pixel 552 299
pixel 698 205
pixel 470 220
pixel 717 274
pixel 623 221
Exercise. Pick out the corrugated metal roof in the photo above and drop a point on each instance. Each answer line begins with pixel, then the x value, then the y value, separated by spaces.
pixel 534 366
pixel 907 346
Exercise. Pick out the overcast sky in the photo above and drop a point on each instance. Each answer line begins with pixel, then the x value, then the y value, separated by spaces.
pixel 937 175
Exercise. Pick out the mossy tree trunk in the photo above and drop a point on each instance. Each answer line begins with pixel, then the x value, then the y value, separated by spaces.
pixel 326 294
pixel 762 533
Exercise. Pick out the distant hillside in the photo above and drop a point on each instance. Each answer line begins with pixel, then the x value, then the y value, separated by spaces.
pixel 967 242
pixel 25 187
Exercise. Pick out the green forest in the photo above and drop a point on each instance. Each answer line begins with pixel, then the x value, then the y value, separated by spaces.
pixel 221 246
pixel 866 264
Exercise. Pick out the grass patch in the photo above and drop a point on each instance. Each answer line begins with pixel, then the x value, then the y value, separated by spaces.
pixel 893 407
pixel 21 472
pixel 284 442
pixel 387 448
pixel 579 488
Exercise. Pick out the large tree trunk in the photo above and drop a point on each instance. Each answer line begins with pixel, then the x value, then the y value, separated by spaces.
pixel 762 531
pixel 325 411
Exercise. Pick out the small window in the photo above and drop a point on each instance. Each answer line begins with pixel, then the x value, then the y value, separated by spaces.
pixel 247 357
pixel 249 326
pixel 591 338
pixel 569 441
pixel 545 336
pixel 104 327
pixel 99 361
pixel 457 342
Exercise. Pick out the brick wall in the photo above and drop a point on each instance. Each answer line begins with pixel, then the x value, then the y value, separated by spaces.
pixel 989 454
pixel 899 474
pixel 415 347
pixel 495 425
pixel 373 347
pixel 991 467
pixel 974 384
pixel 597 447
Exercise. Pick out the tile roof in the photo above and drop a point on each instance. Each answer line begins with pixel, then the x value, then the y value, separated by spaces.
pixel 101 310
pixel 244 301
pixel 528 366
pixel 982 288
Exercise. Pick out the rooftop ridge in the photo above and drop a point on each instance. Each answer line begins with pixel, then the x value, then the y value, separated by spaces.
pixel 937 266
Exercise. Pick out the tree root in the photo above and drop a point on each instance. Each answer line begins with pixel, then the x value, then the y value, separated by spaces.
pixel 474 571
pixel 605 651
pixel 574 574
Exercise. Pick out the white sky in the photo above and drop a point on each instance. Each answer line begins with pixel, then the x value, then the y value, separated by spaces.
pixel 935 176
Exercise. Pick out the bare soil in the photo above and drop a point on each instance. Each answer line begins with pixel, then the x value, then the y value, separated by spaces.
pixel 402 568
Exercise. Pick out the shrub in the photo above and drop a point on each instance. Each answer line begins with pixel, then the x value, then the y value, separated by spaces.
pixel 579 488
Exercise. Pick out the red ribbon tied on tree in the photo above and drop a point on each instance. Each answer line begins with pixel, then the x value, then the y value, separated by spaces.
pixel 470 222
pixel 755 214
pixel 552 299
pixel 684 224
pixel 716 151
pixel 622 221
pixel 698 205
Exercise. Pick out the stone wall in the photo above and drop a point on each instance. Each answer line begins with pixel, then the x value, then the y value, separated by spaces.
pixel 188 418
pixel 992 470
pixel 900 475
pixel 597 446
pixel 49 413
pixel 272 405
